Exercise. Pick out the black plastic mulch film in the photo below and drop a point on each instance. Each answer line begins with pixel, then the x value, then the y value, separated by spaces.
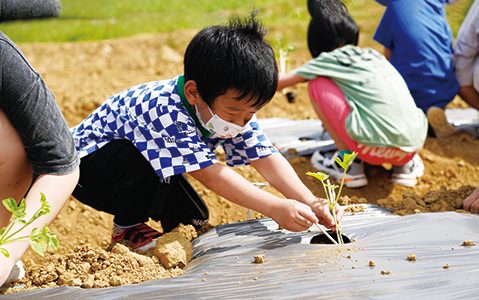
pixel 222 266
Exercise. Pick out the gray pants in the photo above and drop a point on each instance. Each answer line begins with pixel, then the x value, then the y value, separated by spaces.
pixel 33 111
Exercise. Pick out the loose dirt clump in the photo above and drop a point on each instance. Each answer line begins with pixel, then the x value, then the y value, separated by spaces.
pixel 385 272
pixel 433 201
pixel 258 259
pixel 174 250
pixel 411 257
pixel 468 243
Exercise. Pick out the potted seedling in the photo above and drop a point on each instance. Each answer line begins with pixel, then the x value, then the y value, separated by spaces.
pixel 40 239
pixel 330 190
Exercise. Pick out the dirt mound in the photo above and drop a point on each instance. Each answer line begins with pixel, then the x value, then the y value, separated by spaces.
pixel 434 201
pixel 91 267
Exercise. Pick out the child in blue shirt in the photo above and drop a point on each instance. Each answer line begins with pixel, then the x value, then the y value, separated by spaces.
pixel 418 42
pixel 137 146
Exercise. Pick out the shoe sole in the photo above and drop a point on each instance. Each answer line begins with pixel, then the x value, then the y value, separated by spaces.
pixel 438 121
pixel 17 272
pixel 147 247
pixel 409 181
pixel 351 182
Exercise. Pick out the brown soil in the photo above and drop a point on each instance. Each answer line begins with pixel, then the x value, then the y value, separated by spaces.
pixel 83 75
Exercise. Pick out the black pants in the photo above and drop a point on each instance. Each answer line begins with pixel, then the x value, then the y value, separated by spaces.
pixel 118 180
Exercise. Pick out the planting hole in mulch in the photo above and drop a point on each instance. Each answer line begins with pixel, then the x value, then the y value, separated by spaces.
pixel 323 239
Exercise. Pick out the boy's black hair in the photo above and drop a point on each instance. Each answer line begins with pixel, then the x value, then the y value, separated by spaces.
pixel 236 56
pixel 331 26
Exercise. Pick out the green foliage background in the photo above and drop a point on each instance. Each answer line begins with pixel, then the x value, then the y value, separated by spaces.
pixel 96 20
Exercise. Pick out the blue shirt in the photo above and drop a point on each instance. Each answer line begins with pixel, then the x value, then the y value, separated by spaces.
pixel 154 116
pixel 420 40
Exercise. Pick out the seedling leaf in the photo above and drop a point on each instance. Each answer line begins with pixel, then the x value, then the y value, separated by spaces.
pixel 4 252
pixel 318 175
pixel 40 240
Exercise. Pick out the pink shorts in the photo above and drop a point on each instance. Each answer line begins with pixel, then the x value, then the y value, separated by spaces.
pixel 327 97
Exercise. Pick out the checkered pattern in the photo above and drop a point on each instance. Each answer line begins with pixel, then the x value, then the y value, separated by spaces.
pixel 153 118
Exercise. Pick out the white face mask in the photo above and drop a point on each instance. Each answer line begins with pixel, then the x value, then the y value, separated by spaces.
pixel 219 127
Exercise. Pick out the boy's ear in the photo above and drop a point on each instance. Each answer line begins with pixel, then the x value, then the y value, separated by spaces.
pixel 191 92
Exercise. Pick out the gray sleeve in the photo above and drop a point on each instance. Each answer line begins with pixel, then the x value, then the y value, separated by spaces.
pixel 33 111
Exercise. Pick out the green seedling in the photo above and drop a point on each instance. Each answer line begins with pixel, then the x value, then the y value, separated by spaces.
pixel 330 189
pixel 40 239
pixel 282 51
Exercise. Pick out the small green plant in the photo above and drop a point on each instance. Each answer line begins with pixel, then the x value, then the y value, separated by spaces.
pixel 330 189
pixel 283 52
pixel 40 239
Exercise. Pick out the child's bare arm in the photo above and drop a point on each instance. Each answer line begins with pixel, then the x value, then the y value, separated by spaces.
pixel 277 171
pixel 387 53
pixel 288 213
pixel 289 79
pixel 57 189
pixel 470 95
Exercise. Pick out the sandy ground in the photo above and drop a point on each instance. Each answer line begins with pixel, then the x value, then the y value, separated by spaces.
pixel 83 75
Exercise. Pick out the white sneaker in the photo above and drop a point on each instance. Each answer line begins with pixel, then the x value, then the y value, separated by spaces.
pixel 407 175
pixel 17 272
pixel 355 176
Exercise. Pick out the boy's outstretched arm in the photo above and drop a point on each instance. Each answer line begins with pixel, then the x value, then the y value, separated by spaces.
pixel 289 79
pixel 279 173
pixel 288 213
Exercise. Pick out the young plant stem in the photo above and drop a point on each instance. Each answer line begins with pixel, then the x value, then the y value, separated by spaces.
pixel 21 228
pixel 332 199
pixel 338 229
pixel 326 233
pixel 6 231
pixel 15 239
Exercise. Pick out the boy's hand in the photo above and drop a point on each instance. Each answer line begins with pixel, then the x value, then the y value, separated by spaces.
pixel 321 208
pixel 294 216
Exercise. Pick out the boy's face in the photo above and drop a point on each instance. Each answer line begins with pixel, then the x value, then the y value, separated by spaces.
pixel 228 108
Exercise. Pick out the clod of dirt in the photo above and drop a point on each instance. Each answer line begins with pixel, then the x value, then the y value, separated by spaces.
pixel 173 249
pixel 372 263
pixel 468 243
pixel 346 200
pixel 385 272
pixel 411 257
pixel 354 208
pixel 188 231
pixel 259 259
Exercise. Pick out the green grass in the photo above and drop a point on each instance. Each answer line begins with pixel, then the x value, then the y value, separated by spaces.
pixel 105 19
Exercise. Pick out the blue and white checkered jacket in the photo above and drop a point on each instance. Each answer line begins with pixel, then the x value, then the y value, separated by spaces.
pixel 152 116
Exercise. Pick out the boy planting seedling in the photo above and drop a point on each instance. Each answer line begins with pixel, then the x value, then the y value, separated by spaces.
pixel 137 146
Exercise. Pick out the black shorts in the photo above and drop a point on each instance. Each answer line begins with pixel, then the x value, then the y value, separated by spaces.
pixel 118 180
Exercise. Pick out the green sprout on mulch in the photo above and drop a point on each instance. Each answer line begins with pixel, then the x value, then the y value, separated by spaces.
pixel 330 189
pixel 40 239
